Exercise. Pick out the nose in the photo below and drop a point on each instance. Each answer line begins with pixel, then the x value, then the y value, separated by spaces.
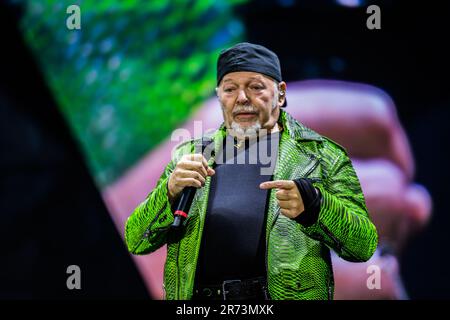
pixel 242 98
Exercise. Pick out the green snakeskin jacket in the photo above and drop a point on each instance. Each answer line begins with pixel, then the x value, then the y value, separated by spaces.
pixel 298 261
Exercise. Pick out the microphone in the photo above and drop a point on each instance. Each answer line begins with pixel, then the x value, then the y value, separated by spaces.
pixel 187 195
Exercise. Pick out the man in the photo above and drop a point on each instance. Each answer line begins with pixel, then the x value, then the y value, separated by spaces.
pixel 255 232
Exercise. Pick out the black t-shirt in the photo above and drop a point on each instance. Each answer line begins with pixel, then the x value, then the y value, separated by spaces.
pixel 233 243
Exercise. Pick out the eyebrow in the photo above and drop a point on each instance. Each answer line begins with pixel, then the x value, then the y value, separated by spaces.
pixel 251 78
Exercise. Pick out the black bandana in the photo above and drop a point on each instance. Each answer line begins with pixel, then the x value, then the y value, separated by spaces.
pixel 248 57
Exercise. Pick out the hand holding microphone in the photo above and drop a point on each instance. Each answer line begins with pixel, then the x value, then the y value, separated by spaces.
pixel 189 174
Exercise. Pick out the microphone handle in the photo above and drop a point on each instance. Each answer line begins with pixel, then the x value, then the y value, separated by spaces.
pixel 183 206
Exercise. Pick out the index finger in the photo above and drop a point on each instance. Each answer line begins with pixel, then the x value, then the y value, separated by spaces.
pixel 279 184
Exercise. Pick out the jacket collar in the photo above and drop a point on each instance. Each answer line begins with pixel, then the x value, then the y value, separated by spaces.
pixel 296 130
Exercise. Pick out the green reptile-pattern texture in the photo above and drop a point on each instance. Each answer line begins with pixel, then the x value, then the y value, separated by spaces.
pixel 298 258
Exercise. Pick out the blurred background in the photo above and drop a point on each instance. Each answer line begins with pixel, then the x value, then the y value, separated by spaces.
pixel 86 118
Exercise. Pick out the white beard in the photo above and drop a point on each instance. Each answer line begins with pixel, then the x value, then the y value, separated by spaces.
pixel 247 132
pixel 252 131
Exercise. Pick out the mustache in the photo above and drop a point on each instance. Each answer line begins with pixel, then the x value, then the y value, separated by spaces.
pixel 244 109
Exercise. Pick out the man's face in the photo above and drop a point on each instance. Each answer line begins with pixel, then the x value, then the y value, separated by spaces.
pixel 250 101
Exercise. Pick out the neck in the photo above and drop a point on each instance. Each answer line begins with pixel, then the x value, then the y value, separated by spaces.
pixel 275 128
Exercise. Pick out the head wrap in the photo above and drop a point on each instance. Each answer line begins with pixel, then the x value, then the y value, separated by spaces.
pixel 249 57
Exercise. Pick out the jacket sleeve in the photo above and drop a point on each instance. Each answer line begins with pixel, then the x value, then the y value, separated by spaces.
pixel 146 228
pixel 343 222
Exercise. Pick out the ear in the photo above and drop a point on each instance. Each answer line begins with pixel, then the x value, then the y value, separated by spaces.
pixel 281 93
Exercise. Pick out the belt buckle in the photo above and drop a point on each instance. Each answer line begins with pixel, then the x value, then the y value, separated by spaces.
pixel 224 291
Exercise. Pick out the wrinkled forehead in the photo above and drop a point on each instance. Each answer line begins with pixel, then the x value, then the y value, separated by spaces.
pixel 239 77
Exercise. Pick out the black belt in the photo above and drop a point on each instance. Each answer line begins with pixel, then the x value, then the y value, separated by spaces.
pixel 248 289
